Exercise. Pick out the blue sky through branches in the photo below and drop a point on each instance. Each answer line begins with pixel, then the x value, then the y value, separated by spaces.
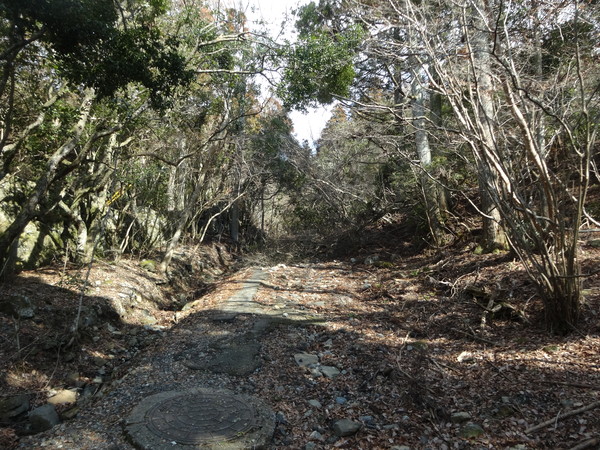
pixel 274 12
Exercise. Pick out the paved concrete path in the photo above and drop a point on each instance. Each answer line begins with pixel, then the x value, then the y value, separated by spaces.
pixel 213 418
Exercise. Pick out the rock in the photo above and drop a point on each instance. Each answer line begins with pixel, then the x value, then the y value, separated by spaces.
pixel 316 372
pixel 74 379
pixel 147 318
pixel 89 390
pixel 419 346
pixel 239 357
pixel 315 403
pixel 306 359
pixel 504 411
pixel 330 371
pixel 99 361
pixel 343 300
pixel 471 430
pixel 310 446
pixel 112 329
pixel 315 436
pixel 17 305
pixel 465 357
pixel 13 406
pixel 341 400
pixel 64 396
pixel 370 260
pixel 88 317
pixel 346 427
pixel 594 243
pixel 567 403
pixel 460 417
pixel 70 413
pixel 43 418
pixel 400 447
pixel 149 265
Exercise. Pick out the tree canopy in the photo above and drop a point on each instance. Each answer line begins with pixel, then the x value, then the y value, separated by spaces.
pixel 168 120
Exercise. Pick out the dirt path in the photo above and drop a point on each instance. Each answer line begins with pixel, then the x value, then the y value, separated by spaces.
pixel 396 361
pixel 211 349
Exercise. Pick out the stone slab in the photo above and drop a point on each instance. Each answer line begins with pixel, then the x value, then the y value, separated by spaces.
pixel 239 357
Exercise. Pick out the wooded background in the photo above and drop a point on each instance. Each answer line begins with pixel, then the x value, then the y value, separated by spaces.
pixel 132 126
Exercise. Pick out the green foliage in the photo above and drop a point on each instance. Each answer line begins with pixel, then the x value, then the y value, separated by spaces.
pixel 91 47
pixel 559 44
pixel 313 17
pixel 68 26
pixel 139 55
pixel 269 136
pixel 319 68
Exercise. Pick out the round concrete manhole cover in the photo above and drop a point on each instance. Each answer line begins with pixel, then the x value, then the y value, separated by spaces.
pixel 200 418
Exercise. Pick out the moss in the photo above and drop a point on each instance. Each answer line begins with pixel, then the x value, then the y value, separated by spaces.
pixel 149 264
pixel 385 264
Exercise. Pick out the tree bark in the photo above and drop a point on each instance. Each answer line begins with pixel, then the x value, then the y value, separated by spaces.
pixel 29 210
pixel 428 185
pixel 494 236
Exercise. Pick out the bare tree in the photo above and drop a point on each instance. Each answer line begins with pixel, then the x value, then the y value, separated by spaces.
pixel 534 177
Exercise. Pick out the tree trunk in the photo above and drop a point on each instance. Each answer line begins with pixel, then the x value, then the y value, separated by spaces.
pixel 428 185
pixel 435 106
pixel 494 236
pixel 182 221
pixel 29 209
pixel 234 222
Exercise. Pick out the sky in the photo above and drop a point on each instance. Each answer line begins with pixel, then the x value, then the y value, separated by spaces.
pixel 306 126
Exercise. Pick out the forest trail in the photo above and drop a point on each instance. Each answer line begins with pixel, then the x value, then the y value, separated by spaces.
pixel 348 355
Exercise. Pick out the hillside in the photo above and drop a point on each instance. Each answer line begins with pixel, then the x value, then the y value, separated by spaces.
pixel 445 351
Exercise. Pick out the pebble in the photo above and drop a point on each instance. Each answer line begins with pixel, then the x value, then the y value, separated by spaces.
pixel 315 403
pixel 316 373
pixel 340 400
pixel 471 430
pixel 306 359
pixel 460 417
pixel 330 371
pixel 465 357
pixel 567 403
pixel 63 396
pixel 316 436
pixel 346 427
